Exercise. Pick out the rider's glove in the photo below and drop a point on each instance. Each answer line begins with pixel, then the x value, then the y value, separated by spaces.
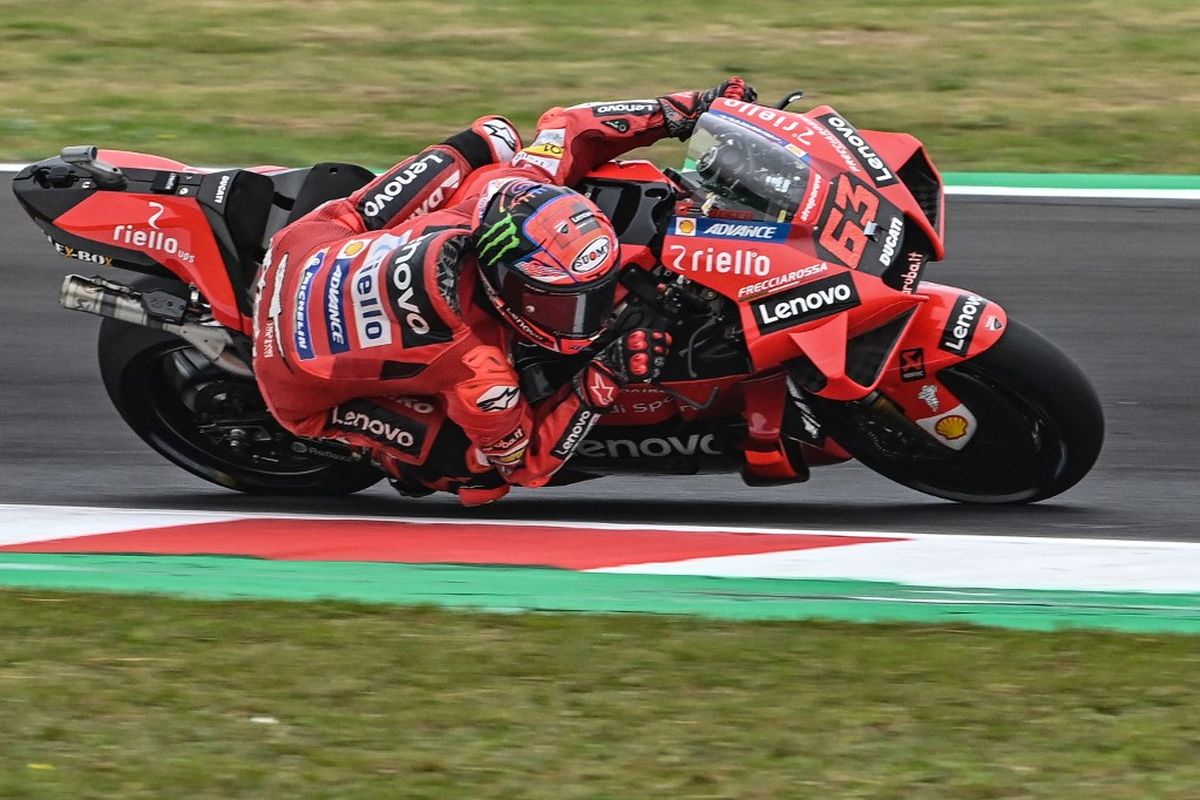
pixel 735 89
pixel 636 356
pixel 681 110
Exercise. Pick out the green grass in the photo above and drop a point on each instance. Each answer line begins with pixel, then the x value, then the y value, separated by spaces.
pixel 1093 85
pixel 104 696
pixel 140 697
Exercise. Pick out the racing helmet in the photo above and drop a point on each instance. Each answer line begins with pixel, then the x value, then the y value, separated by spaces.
pixel 549 259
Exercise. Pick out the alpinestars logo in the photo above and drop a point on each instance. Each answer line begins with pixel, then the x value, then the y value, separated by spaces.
pixel 503 138
pixel 602 389
pixel 499 239
pixel 498 398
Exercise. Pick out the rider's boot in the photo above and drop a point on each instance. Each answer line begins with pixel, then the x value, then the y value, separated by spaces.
pixel 777 467
pixel 770 457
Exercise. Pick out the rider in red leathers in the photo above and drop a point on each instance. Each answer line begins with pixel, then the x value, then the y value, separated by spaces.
pixel 380 315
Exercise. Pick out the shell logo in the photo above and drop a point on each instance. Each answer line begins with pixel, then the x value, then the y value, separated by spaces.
pixel 952 427
pixel 353 248
pixel 685 227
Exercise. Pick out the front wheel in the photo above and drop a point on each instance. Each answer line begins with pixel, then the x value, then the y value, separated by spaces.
pixel 1039 427
pixel 213 424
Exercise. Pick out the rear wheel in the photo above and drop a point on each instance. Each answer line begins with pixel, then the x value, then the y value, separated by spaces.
pixel 212 423
pixel 1039 427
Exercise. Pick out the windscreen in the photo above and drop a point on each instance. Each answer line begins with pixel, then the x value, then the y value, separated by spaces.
pixel 742 169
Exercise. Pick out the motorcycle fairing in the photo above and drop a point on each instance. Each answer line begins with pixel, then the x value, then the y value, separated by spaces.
pixel 792 303
pixel 873 201
pixel 952 326
pixel 172 231
pixel 167 219
pixel 232 211
pixel 639 404
pixel 826 278
pixel 833 146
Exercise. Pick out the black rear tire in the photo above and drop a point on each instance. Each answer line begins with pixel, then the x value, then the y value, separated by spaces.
pixel 175 399
pixel 1040 427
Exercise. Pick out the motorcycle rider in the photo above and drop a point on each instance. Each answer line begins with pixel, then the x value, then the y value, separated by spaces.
pixel 381 314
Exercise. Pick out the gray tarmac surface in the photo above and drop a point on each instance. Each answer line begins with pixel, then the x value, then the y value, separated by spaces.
pixel 1115 284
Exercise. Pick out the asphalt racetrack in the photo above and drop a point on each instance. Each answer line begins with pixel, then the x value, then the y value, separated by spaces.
pixel 1115 283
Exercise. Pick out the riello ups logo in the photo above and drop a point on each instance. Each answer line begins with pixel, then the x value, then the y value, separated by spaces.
pixel 805 303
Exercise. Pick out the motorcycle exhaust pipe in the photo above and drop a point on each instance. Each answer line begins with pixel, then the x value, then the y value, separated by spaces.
pixel 160 311
pixel 106 299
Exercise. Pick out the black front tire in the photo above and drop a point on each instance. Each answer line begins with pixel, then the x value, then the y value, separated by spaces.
pixel 1040 427
pixel 169 393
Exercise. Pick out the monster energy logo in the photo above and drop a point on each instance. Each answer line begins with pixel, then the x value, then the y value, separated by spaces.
pixel 498 240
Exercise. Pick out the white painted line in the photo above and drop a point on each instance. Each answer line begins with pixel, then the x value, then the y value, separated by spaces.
pixel 918 559
pixel 212 516
pixel 960 561
pixel 106 517
pixel 22 524
pixel 1106 194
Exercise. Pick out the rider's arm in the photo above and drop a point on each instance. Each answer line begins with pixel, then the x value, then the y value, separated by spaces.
pixel 528 444
pixel 572 141
pixel 421 183
pixel 525 445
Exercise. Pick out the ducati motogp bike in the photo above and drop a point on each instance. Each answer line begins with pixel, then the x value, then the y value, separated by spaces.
pixel 786 259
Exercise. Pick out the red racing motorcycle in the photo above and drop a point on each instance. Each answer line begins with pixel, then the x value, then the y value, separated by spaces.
pixel 785 258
